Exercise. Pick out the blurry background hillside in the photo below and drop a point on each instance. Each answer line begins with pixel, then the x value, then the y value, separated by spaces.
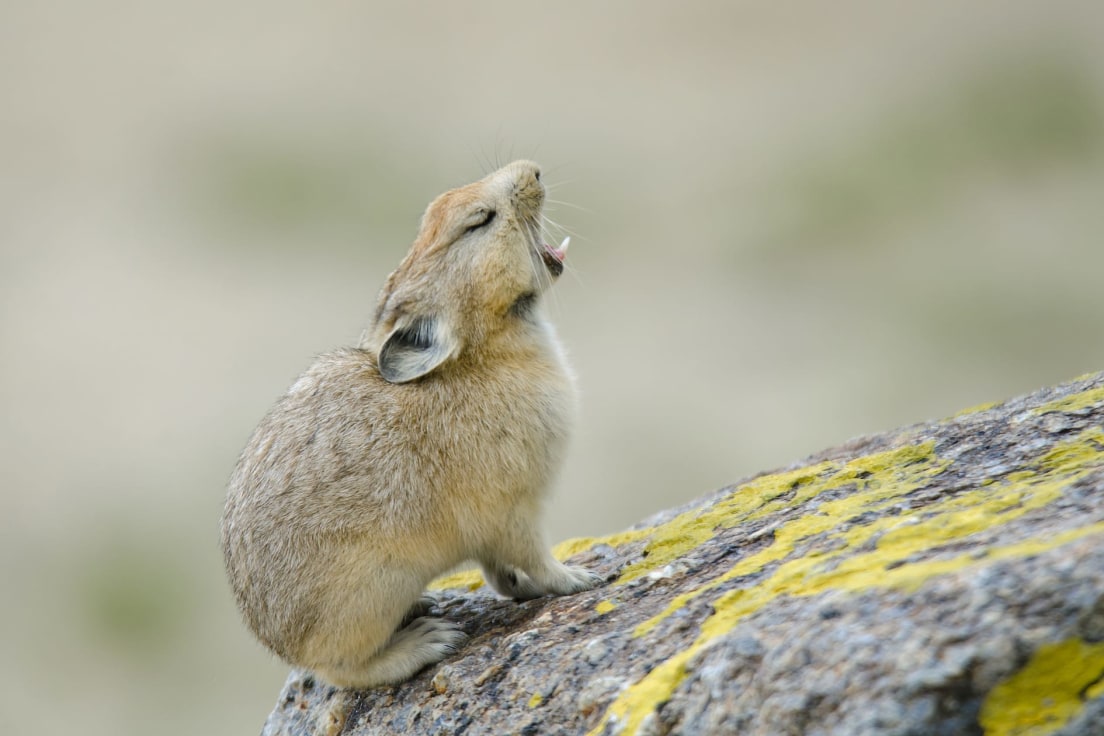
pixel 794 226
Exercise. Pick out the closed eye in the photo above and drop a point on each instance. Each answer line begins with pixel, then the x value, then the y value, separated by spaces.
pixel 481 219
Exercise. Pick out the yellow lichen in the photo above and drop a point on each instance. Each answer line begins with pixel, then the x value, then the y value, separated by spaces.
pixel 673 539
pixel 468 579
pixel 605 607
pixel 1082 400
pixel 884 552
pixel 1067 456
pixel 536 700
pixel 1096 690
pixel 572 547
pixel 975 409
pixel 1047 692
pixel 879 479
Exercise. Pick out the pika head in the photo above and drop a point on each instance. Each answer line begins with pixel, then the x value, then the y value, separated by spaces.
pixel 477 266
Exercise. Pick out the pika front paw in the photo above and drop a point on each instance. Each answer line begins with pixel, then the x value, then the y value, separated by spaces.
pixel 552 579
pixel 582 579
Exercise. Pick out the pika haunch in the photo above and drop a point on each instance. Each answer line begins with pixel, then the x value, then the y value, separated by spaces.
pixel 432 443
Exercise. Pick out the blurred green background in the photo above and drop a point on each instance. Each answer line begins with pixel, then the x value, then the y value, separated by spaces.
pixel 796 223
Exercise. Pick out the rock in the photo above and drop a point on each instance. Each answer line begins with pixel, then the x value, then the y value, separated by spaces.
pixel 946 578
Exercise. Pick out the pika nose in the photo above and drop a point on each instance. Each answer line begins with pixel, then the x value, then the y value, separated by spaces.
pixel 519 175
pixel 523 168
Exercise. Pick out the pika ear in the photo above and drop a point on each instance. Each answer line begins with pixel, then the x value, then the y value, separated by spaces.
pixel 413 350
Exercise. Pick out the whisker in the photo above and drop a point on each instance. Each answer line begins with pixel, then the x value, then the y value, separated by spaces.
pixel 552 224
pixel 556 168
pixel 562 203
pixel 480 157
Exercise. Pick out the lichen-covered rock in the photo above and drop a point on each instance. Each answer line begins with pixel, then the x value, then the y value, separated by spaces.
pixel 947 578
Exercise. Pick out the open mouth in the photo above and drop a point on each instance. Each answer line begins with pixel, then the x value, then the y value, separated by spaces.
pixel 554 257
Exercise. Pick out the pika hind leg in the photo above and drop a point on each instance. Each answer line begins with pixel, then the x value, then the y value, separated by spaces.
pixel 422 642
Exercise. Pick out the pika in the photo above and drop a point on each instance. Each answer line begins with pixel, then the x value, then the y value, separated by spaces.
pixel 431 443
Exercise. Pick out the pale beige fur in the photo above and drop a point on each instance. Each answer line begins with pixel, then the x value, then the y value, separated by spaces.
pixel 432 443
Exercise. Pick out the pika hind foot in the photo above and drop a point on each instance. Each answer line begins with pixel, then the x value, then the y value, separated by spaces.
pixel 422 642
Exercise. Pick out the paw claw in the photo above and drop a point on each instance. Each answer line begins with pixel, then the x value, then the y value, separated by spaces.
pixel 421 607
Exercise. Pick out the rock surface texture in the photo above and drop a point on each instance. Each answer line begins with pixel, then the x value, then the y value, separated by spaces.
pixel 947 578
